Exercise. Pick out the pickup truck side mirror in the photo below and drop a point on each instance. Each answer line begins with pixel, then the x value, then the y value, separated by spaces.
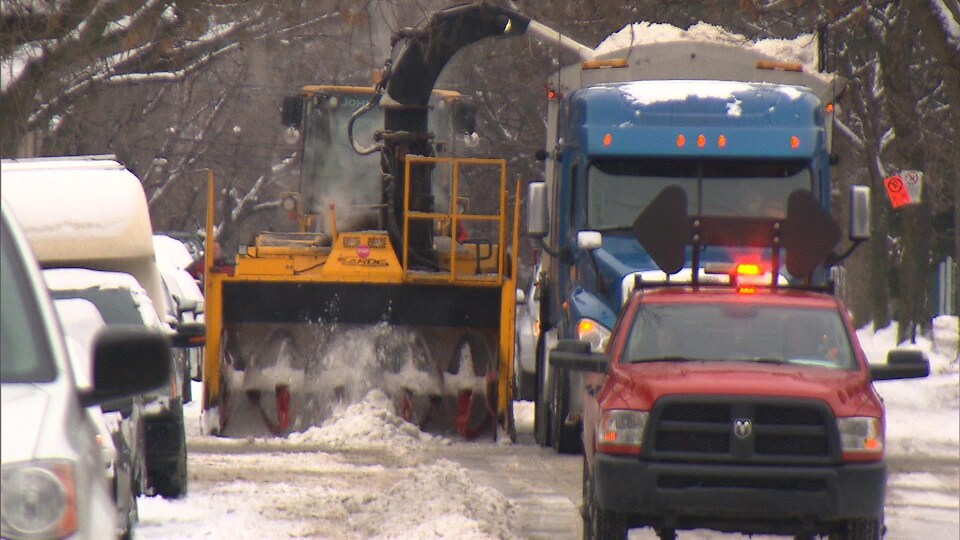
pixel 576 355
pixel 901 364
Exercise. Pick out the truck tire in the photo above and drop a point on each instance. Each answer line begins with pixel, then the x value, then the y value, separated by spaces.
pixel 864 529
pixel 541 418
pixel 566 438
pixel 609 525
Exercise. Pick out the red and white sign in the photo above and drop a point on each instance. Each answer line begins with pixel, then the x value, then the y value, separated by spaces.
pixel 896 191
pixel 363 251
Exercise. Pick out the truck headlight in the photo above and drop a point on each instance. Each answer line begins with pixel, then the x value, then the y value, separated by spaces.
pixel 861 438
pixel 38 500
pixel 621 431
pixel 593 333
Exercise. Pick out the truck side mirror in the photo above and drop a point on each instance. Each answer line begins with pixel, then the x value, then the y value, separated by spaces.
pixel 859 213
pixel 537 215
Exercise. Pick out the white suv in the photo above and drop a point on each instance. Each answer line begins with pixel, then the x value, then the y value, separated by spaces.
pixel 52 481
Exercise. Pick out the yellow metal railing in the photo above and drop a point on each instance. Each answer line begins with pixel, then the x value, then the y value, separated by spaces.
pixel 453 216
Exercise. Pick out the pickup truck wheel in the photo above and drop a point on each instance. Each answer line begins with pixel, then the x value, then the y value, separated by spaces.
pixel 589 507
pixel 609 525
pixel 864 529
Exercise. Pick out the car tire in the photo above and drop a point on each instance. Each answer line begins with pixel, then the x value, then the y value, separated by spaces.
pixel 169 477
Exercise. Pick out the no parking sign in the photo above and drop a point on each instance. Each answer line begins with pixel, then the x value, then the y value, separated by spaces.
pixel 904 188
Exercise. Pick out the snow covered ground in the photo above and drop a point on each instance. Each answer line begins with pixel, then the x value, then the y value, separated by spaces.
pixel 372 475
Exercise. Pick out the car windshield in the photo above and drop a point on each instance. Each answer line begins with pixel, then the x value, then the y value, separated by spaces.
pixel 739 332
pixel 116 305
pixel 25 355
pixel 619 190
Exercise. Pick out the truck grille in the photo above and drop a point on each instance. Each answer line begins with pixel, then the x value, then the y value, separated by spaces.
pixel 742 430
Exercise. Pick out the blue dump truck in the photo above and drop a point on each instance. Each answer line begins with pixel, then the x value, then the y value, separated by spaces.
pixel 737 130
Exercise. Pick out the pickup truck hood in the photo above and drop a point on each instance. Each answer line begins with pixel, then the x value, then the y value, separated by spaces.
pixel 23 409
pixel 845 391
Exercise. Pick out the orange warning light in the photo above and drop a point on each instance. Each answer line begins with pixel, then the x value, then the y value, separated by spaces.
pixel 794 142
pixel 681 140
pixel 701 141
pixel 607 139
pixel 721 141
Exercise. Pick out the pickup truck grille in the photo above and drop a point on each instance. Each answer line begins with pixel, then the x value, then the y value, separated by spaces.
pixel 742 429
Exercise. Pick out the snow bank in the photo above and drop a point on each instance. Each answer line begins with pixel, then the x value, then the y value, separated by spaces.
pixel 370 422
pixel 441 501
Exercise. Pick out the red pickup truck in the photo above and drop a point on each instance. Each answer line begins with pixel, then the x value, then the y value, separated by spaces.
pixel 736 410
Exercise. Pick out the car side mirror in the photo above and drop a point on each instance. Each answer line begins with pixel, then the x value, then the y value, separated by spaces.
pixel 190 335
pixel 127 361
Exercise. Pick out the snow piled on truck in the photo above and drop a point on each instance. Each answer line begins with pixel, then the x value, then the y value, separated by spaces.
pixel 802 49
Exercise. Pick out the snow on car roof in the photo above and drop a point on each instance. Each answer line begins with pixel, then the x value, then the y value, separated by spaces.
pixel 67 279
pixel 172 250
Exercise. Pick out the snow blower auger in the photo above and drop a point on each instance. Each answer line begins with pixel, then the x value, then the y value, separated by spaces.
pixel 300 322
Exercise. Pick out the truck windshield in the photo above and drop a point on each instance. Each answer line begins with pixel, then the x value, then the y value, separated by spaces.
pixel 619 190
pixel 332 172
pixel 739 332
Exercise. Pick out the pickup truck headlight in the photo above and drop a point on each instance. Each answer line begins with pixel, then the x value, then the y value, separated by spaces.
pixel 38 500
pixel 621 431
pixel 861 438
pixel 593 333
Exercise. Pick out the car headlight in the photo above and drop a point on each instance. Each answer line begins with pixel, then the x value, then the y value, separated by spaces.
pixel 593 333
pixel 861 438
pixel 38 500
pixel 621 431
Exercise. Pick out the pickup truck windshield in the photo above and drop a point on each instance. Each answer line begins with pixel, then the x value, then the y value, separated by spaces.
pixel 619 190
pixel 739 332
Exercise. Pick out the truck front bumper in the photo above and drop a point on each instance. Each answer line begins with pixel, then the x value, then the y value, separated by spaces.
pixel 745 498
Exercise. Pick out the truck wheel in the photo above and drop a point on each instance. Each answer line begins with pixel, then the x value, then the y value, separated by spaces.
pixel 864 529
pixel 589 507
pixel 541 419
pixel 609 525
pixel 566 438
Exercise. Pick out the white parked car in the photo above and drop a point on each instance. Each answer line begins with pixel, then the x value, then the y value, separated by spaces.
pixel 527 333
pixel 122 301
pixel 121 436
pixel 52 481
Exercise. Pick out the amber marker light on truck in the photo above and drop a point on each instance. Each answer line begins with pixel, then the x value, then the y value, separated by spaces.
pixel 607 139
pixel 701 141
pixel 621 431
pixel 861 438
pixel 794 142
pixel 722 141
pixel 593 333
pixel 681 140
